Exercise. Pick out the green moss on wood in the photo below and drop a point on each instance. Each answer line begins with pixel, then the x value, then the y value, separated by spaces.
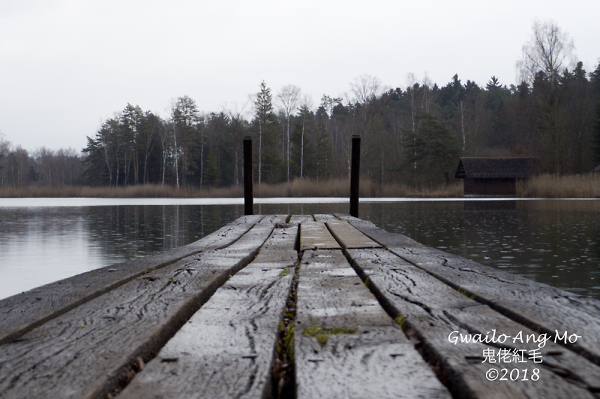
pixel 322 333
pixel 400 321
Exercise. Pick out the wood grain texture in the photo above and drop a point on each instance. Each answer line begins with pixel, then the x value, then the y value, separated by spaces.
pixel 376 361
pixel 316 235
pixel 348 236
pixel 226 349
pixel 431 311
pixel 302 218
pixel 84 352
pixel 538 306
pixel 272 219
pixel 324 217
pixel 380 235
pixel 23 312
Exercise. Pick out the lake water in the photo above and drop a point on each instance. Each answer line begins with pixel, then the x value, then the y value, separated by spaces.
pixel 552 241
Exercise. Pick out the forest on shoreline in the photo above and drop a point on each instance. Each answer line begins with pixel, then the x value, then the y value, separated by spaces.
pixel 411 137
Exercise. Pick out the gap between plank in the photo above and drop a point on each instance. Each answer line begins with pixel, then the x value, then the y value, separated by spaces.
pixel 17 333
pixel 500 309
pixel 428 356
pixel 284 367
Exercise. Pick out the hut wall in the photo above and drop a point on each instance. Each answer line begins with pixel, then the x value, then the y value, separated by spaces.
pixel 500 187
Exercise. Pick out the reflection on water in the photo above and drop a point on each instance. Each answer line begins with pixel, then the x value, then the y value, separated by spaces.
pixel 556 242
pixel 552 241
pixel 41 245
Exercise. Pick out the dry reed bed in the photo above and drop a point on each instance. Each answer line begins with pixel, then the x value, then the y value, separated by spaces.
pixel 544 186
pixel 140 191
pixel 297 188
pixel 551 186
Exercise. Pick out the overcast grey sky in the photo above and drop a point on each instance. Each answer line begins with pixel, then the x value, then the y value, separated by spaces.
pixel 67 65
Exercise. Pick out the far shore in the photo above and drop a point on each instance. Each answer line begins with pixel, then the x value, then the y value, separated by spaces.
pixel 544 186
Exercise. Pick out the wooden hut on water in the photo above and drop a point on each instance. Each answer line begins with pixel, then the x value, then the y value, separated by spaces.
pixel 494 177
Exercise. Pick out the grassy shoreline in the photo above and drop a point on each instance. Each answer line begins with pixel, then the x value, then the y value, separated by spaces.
pixel 552 186
pixel 544 186
pixel 296 188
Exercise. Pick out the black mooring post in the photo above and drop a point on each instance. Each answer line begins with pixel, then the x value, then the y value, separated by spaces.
pixel 354 176
pixel 248 195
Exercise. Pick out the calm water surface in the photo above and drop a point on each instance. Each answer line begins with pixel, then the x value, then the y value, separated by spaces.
pixel 552 241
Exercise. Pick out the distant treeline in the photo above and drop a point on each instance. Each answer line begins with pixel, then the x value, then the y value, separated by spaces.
pixel 412 136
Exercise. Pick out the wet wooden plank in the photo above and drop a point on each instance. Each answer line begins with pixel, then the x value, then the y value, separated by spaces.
pixel 226 348
pixel 85 352
pixel 302 218
pixel 324 217
pixel 348 236
pixel 23 312
pixel 431 311
pixel 366 355
pixel 315 235
pixel 538 306
pixel 226 235
pixel 380 235
pixel 272 219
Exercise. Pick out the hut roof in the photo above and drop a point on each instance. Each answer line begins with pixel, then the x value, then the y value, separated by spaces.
pixel 597 168
pixel 496 168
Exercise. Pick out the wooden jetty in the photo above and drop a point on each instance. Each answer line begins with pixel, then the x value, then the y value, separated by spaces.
pixel 319 306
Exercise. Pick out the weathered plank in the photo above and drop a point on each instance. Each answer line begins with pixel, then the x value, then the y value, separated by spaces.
pixel 226 235
pixel 315 235
pixel 365 354
pixel 86 352
pixel 324 217
pixel 379 235
pixel 432 311
pixel 538 306
pixel 302 218
pixel 226 348
pixel 23 312
pixel 348 236
pixel 272 219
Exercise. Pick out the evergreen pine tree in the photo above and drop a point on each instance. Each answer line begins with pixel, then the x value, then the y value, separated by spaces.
pixel 265 124
pixel 323 148
pixel 596 134
pixel 211 169
pixel 434 148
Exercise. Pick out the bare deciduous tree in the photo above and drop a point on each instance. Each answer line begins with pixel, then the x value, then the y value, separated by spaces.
pixel 237 115
pixel 548 51
pixel 304 112
pixel 288 99
pixel 4 150
pixel 366 88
